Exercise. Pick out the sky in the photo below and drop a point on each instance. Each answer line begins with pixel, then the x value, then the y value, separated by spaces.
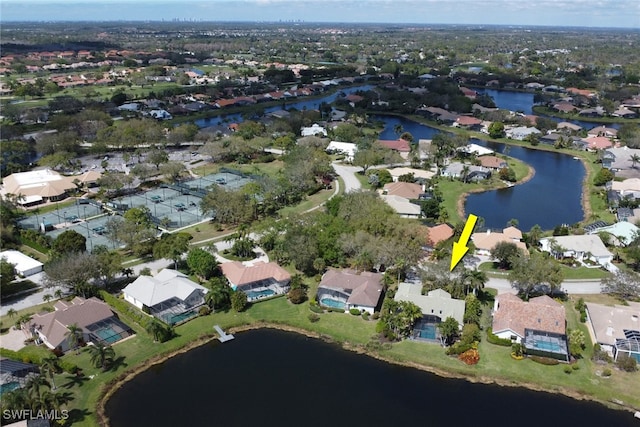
pixel 581 13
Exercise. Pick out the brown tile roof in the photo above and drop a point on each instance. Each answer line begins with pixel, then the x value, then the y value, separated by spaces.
pixel 365 289
pixel 241 275
pixel 438 234
pixel 408 190
pixel 79 311
pixel 468 121
pixel 492 162
pixel 540 313
pixel 488 240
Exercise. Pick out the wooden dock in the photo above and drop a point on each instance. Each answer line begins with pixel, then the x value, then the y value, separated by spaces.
pixel 224 337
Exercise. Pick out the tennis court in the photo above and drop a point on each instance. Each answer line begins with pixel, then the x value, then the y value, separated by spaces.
pixel 67 215
pixel 169 207
pixel 93 230
pixel 228 178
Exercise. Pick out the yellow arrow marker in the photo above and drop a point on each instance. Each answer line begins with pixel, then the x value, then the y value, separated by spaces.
pixel 460 247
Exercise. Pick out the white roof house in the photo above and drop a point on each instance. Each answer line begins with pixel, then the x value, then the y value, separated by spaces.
pixel 476 149
pixel 347 148
pixel 609 323
pixel 316 129
pixel 150 291
pixel 587 246
pixel 436 303
pixel 24 265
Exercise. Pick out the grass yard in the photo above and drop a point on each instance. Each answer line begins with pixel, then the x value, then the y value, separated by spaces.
pixel 583 273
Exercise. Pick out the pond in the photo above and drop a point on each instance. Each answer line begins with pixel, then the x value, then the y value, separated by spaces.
pixel 275 378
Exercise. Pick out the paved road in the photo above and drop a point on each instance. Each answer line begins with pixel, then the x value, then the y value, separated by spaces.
pixel 32 299
pixel 569 286
pixel 348 175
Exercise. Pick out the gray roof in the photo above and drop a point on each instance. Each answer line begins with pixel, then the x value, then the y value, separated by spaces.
pixel 437 302
pixel 165 285
pixel 581 243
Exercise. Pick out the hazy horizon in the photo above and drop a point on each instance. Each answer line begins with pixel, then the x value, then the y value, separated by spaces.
pixel 623 14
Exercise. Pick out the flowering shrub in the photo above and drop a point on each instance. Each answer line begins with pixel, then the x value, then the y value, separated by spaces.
pixel 470 357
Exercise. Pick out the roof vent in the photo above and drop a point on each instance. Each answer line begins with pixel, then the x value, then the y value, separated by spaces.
pixel 634 317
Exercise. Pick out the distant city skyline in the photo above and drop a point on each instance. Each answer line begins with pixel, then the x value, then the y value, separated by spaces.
pixel 575 13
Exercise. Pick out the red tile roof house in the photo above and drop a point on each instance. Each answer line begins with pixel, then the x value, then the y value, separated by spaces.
pixel 438 233
pixel 260 280
pixel 402 146
pixel 539 325
pixel 469 122
pixel 94 317
pixel 347 289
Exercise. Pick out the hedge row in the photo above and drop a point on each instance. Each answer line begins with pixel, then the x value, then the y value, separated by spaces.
pixel 544 360
pixel 494 339
pixel 132 313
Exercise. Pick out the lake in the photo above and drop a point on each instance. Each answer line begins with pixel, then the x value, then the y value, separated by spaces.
pixel 552 197
pixel 274 378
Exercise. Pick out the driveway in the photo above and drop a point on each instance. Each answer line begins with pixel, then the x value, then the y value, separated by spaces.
pixel 13 340
pixel 348 175
pixel 568 286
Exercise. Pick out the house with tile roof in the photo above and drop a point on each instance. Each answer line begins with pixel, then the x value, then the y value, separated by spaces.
pixel 539 324
pixel 486 241
pixel 169 295
pixel 492 162
pixel 259 280
pixel 438 233
pixel 400 145
pixel 96 320
pixel 347 289
pixel 408 190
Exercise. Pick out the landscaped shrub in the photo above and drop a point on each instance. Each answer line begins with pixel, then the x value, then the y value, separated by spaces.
pixel 313 318
pixel 126 309
pixel 600 355
pixel 470 333
pixel 567 369
pixel 582 308
pixel 297 295
pixel 376 315
pixel 204 310
pixel 316 308
pixel 355 312
pixel 458 348
pixel 575 367
pixel 470 357
pixel 365 315
pixel 494 339
pixel 606 372
pixel 626 363
pixel 516 350
pixel 544 360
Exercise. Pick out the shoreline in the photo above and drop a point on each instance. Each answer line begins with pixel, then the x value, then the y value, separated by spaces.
pixel 462 199
pixel 113 386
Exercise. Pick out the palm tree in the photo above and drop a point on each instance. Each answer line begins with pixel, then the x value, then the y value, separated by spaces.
pixel 49 367
pixel 11 313
pixel 47 297
pixel 102 355
pixel 217 296
pixel 534 235
pixel 58 293
pixel 156 329
pixel 74 335
pixel 634 159
pixel 464 173
pixel 474 280
pixel 33 386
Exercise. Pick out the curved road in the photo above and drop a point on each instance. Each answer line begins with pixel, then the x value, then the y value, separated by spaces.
pixel 348 175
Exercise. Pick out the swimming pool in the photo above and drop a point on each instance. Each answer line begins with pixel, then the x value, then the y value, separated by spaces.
pixel 548 346
pixel 6 388
pixel 260 294
pixel 328 302
pixel 427 332
pixel 177 318
pixel 108 335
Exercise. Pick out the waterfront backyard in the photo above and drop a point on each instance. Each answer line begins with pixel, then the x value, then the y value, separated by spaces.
pixel 353 332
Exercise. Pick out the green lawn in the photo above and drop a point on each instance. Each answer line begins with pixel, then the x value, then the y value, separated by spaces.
pixel 584 273
pixel 353 331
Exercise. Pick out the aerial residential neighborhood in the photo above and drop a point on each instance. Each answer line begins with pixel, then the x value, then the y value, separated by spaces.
pixel 167 185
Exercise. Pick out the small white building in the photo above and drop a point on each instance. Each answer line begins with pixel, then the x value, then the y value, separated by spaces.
pixel 347 148
pixel 314 130
pixel 24 265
